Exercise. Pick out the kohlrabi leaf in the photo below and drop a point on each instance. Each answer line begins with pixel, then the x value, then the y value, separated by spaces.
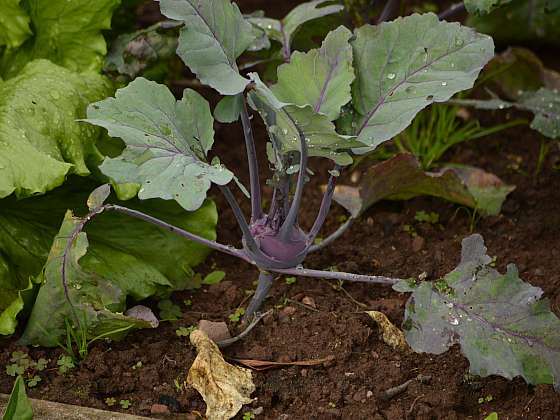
pixel 500 322
pixel 166 142
pixel 131 54
pixel 305 12
pixel 14 24
pixel 320 78
pixel 518 70
pixel 483 7
pixel 229 109
pixel 67 33
pixel 402 178
pixel 98 196
pixel 544 104
pixel 214 35
pixel 404 65
pixel 29 226
pixel 286 121
pixel 284 30
pixel 40 140
pixel 19 406
pixel 522 21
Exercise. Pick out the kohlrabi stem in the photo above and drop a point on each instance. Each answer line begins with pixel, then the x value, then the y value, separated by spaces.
pixel 387 10
pixel 256 204
pixel 263 287
pixel 336 275
pixel 286 53
pixel 325 205
pixel 454 9
pixel 240 217
pixel 229 341
pixel 164 225
pixel 292 215
pixel 333 236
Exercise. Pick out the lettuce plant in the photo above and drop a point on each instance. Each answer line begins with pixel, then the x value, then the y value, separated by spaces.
pixel 372 81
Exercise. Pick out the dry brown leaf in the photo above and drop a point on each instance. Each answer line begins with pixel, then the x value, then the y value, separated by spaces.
pixel 265 364
pixel 224 387
pixel 392 336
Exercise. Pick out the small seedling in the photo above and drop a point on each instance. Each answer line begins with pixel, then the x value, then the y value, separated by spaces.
pixel 236 316
pixel 179 386
pixel 248 415
pixel 185 331
pixel 34 381
pixel 410 230
pixel 187 302
pixel 168 311
pixel 425 217
pixel 137 365
pixel 291 280
pixel 214 277
pixel 485 399
pixel 125 404
pixel 110 401
pixel 65 363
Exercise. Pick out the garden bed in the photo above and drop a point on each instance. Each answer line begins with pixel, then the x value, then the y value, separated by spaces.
pixel 363 366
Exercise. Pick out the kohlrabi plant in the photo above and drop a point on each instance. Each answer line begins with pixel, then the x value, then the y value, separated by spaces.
pixel 381 76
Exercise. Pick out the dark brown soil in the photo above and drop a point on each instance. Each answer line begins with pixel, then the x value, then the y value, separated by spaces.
pixel 364 366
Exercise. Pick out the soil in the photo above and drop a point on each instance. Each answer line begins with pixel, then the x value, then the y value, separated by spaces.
pixel 350 385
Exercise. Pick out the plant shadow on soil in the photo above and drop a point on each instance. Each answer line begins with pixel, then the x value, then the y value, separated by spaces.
pixel 364 366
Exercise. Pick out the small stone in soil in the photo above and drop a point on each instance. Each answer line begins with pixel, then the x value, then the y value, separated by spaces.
pixel 287 312
pixel 159 409
pixel 418 243
pixel 309 301
pixel 216 331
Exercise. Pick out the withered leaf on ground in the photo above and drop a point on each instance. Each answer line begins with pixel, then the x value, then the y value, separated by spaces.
pixel 225 388
pixel 401 178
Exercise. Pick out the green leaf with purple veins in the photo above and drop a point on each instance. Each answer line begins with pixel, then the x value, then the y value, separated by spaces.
pixel 166 142
pixel 501 323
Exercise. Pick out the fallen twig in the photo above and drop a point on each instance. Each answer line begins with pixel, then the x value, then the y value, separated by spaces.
pixel 396 390
pixel 265 364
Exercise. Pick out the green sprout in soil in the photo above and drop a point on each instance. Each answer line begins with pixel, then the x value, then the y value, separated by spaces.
pixel 236 316
pixel 65 363
pixel 427 217
pixel 248 415
pixel 125 404
pixel 291 280
pixel 110 401
pixel 168 311
pixel 185 331
pixel 23 365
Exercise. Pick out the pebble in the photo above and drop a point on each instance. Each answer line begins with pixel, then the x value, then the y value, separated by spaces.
pixel 216 331
pixel 258 411
pixel 159 409
pixel 309 301
pixel 418 243
pixel 286 312
pixel 369 394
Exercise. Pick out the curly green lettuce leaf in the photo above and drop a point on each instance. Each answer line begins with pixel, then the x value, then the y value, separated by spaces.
pixel 40 140
pixel 405 65
pixel 501 323
pixel 28 227
pixel 214 36
pixel 14 24
pixel 67 33
pixel 166 142
pixel 321 77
